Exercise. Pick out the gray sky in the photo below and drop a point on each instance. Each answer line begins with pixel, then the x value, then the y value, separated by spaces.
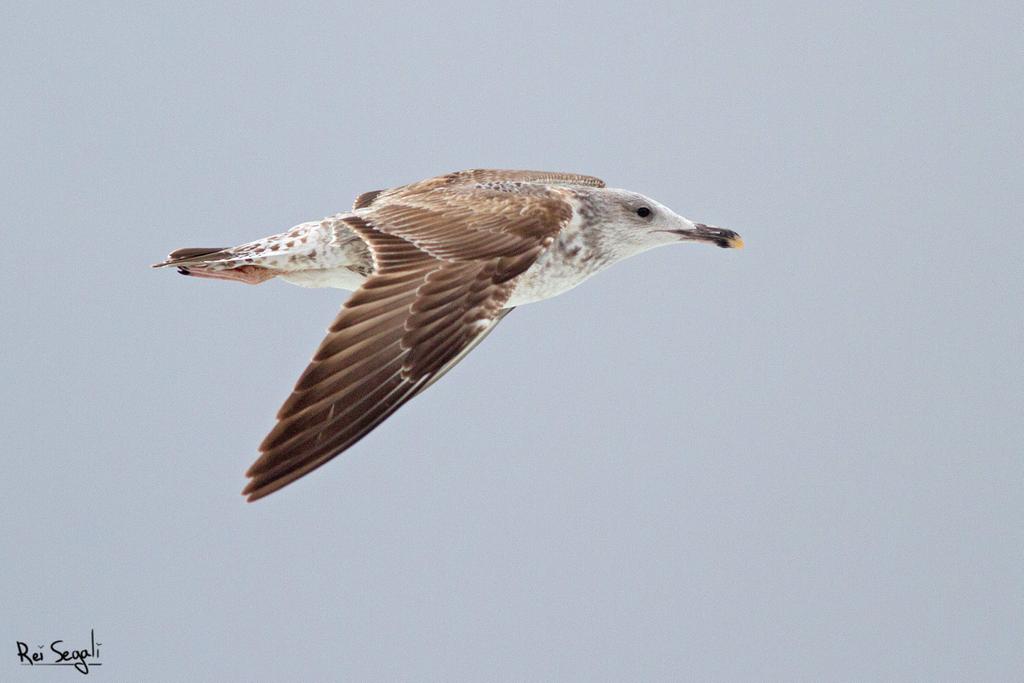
pixel 798 461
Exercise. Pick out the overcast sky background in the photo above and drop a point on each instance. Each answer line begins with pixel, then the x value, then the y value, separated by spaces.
pixel 802 460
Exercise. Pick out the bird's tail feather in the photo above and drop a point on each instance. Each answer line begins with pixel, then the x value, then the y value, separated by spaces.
pixel 217 264
pixel 194 255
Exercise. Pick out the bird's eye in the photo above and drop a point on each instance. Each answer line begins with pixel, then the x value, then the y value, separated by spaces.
pixel 643 212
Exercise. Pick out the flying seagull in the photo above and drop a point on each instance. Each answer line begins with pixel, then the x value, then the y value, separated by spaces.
pixel 434 266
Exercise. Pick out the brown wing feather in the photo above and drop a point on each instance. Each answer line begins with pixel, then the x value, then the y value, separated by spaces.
pixel 365 199
pixel 446 258
pixel 492 177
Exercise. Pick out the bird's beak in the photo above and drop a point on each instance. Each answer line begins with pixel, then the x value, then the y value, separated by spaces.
pixel 727 239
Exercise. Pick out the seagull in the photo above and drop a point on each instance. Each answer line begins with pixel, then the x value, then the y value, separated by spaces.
pixel 433 265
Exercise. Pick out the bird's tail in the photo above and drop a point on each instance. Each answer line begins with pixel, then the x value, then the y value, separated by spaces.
pixel 219 263
pixel 194 255
pixel 324 244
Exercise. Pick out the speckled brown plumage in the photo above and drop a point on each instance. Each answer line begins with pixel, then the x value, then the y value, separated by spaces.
pixel 445 255
pixel 435 265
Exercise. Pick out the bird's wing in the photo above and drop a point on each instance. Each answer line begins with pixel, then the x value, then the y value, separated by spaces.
pixel 493 175
pixel 465 351
pixel 445 262
pixel 491 178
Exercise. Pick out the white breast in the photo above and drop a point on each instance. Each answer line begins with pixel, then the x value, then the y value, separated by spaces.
pixel 573 258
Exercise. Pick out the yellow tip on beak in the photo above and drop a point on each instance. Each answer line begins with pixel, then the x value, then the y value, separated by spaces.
pixel 736 242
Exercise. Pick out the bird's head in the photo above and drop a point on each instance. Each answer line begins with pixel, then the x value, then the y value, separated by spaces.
pixel 638 223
